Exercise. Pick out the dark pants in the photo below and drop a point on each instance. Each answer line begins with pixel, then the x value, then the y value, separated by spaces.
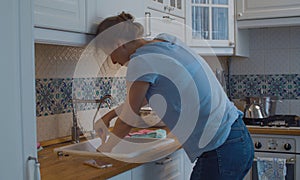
pixel 230 161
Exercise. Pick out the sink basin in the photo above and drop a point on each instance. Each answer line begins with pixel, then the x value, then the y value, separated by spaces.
pixel 125 149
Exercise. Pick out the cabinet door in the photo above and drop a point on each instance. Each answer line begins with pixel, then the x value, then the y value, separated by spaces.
pixel 124 176
pixel 170 167
pixel 164 23
pixel 97 10
pixel 66 15
pixel 18 120
pixel 260 9
pixel 210 23
pixel 188 166
pixel 174 7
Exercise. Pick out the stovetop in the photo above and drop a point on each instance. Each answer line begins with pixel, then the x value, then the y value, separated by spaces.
pixel 275 121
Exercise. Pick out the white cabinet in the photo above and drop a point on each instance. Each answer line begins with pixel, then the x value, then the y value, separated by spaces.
pixel 159 22
pixel 124 176
pixel 170 167
pixel 154 21
pixel 18 121
pixel 265 13
pixel 174 7
pixel 210 24
pixel 68 15
pixel 97 10
pixel 188 166
pixel 60 22
pixel 261 9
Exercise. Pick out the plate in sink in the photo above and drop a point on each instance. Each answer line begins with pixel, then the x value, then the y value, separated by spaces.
pixel 127 148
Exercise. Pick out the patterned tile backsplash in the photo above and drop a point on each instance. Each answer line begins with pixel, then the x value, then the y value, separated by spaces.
pixel 284 86
pixel 54 96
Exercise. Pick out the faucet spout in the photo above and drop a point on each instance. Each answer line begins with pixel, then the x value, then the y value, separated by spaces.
pixel 75 128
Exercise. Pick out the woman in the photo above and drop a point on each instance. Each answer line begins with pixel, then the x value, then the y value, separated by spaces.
pixel 179 85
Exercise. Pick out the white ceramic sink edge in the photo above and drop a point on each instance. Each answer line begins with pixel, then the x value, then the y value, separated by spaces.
pixel 127 148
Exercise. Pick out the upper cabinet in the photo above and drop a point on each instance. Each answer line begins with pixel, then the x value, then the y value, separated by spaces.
pixel 154 21
pixel 174 7
pixel 266 13
pixel 68 15
pixel 261 9
pixel 158 22
pixel 97 10
pixel 210 24
pixel 60 22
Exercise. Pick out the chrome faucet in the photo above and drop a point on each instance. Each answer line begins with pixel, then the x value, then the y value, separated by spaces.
pixel 75 130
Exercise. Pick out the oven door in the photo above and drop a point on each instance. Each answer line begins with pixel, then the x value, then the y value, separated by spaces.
pixel 292 162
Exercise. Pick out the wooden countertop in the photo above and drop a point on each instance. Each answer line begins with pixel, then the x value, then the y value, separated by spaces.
pixel 72 167
pixel 275 131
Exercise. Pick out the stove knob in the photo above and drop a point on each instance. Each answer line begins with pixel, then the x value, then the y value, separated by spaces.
pixel 257 145
pixel 287 146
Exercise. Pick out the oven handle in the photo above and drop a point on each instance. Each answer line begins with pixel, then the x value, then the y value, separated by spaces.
pixel 288 161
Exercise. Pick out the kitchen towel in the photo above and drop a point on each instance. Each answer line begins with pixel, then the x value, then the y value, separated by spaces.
pixel 271 168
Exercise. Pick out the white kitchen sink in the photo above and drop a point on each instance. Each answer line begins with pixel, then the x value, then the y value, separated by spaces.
pixel 127 148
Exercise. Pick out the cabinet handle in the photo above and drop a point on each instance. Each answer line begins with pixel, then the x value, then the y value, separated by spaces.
pixel 171 9
pixel 231 43
pixel 147 24
pixel 240 14
pixel 165 161
pixel 165 8
pixel 169 18
pixel 37 174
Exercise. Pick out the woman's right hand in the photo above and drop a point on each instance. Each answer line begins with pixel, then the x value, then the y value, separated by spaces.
pixel 102 125
pixel 101 129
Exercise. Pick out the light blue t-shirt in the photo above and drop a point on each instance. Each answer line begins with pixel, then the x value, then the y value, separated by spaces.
pixel 185 93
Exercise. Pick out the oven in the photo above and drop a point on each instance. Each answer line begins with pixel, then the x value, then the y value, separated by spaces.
pixel 276 146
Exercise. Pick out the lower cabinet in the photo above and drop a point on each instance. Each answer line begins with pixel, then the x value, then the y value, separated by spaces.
pixel 176 166
pixel 124 176
pixel 188 166
pixel 170 167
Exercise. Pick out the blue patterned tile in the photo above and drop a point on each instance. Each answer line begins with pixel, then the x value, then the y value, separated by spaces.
pixel 277 86
pixel 45 101
pixel 236 86
pixel 254 85
pixel 55 96
pixel 102 88
pixel 63 96
pixel 83 88
pixel 296 86
pixel 285 86
pixel 118 89
pixel 247 85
